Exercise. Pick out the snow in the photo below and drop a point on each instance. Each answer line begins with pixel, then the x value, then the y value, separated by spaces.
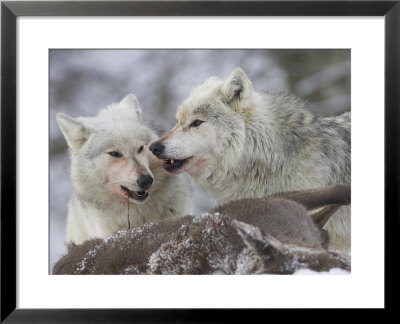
pixel 204 244
pixel 82 265
pixel 246 262
pixel 333 271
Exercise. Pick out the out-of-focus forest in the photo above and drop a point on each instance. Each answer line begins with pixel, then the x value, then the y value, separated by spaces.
pixel 84 81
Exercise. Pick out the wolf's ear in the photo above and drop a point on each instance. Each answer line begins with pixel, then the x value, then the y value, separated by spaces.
pixel 74 131
pixel 237 89
pixel 132 102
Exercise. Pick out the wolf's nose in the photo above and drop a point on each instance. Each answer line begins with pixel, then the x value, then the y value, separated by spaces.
pixel 145 181
pixel 157 148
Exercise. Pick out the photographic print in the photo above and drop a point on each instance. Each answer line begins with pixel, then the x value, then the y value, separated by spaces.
pixel 200 161
pixel 98 71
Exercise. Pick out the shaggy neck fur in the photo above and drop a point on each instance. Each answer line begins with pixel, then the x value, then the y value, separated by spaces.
pixel 252 156
pixel 285 147
pixel 100 220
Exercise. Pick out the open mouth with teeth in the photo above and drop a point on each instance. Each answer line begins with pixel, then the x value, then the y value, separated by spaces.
pixel 173 166
pixel 136 195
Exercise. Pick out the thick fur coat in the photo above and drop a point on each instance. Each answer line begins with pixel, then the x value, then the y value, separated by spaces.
pixel 241 143
pixel 113 174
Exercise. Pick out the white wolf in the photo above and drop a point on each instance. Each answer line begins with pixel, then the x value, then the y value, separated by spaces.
pixel 241 143
pixel 113 174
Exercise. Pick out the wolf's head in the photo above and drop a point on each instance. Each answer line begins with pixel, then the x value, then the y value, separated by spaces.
pixel 109 153
pixel 208 124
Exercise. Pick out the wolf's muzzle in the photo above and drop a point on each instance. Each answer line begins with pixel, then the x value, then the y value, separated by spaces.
pixel 157 148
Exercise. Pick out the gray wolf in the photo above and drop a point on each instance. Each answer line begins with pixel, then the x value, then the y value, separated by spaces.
pixel 272 234
pixel 115 179
pixel 241 143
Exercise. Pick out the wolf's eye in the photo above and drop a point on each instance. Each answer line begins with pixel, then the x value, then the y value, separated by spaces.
pixel 140 149
pixel 196 123
pixel 115 154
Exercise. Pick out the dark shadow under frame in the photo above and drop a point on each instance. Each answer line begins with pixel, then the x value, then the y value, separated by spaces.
pixel 11 10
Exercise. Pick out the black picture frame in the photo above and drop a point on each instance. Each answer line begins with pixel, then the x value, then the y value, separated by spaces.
pixel 10 10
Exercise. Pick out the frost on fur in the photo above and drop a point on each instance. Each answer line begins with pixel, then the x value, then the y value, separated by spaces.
pixel 251 236
pixel 212 244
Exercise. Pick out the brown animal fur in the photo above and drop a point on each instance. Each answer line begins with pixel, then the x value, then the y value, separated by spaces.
pixel 274 232
pixel 284 215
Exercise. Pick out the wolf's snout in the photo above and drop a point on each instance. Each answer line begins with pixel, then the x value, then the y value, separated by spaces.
pixel 145 181
pixel 157 148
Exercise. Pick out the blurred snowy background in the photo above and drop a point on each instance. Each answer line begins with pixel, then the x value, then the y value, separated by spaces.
pixel 84 81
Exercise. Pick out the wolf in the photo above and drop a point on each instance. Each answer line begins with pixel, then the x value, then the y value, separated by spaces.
pixel 272 234
pixel 241 143
pixel 115 179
